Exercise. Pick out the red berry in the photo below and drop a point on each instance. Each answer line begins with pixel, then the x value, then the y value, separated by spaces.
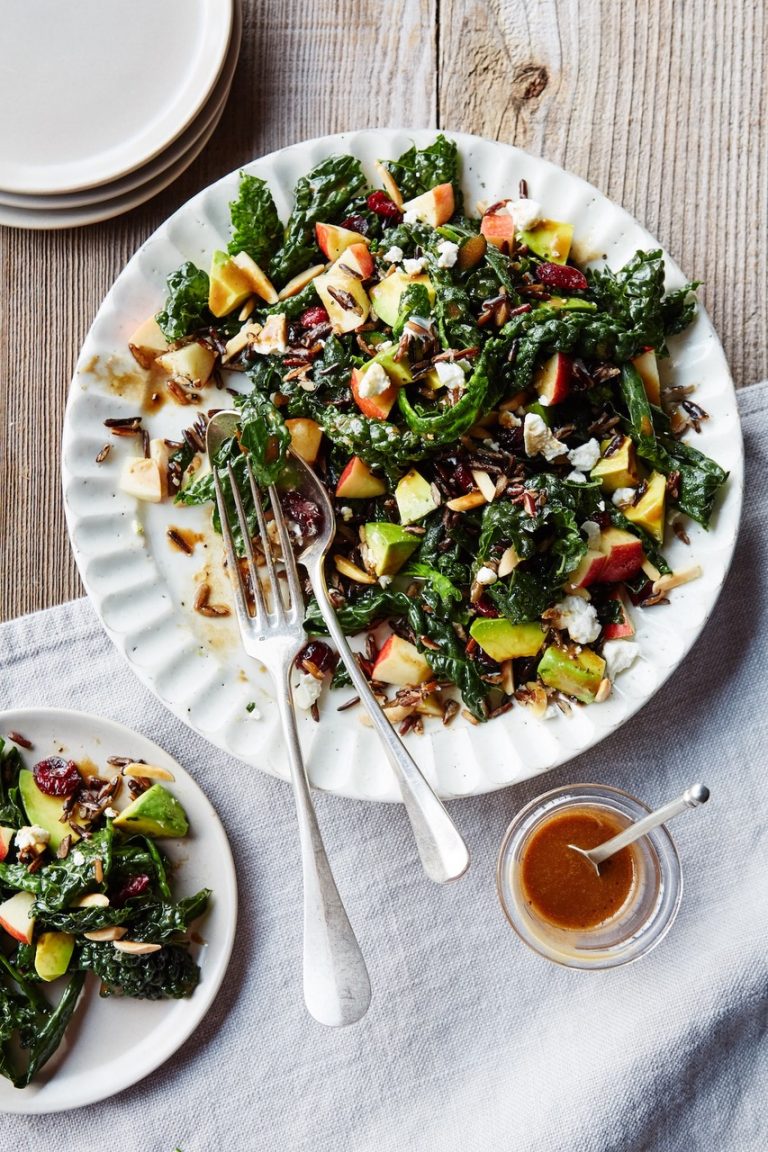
pixel 384 206
pixel 311 317
pixel 319 654
pixel 562 276
pixel 57 777
pixel 136 886
pixel 356 224
pixel 484 606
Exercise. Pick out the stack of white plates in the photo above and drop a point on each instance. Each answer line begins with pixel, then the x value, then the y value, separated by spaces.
pixel 107 102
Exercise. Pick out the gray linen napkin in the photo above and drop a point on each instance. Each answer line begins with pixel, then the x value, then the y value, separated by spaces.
pixel 472 1043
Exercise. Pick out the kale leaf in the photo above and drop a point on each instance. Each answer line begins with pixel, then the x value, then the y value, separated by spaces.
pixel 418 170
pixel 186 306
pixel 256 226
pixel 170 973
pixel 11 810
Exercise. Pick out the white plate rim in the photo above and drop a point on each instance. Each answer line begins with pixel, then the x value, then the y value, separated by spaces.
pixel 471 742
pixel 41 1099
pixel 216 24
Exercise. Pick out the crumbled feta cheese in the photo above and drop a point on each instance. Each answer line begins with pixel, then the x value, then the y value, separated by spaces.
pixel 486 576
pixel 509 420
pixel 411 216
pixel 393 255
pixel 307 691
pixel 450 374
pixel 525 213
pixel 539 439
pixel 592 533
pixel 576 477
pixel 78 858
pixel 449 254
pixel 619 655
pixel 413 267
pixel 601 505
pixel 31 836
pixel 579 617
pixel 374 381
pixel 346 513
pixel 385 581
pixel 623 496
pixel 110 813
pixel 585 456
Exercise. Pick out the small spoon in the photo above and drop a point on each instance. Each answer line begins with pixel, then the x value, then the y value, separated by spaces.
pixel 697 794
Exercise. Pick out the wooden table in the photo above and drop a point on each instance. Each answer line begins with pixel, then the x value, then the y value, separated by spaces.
pixel 660 103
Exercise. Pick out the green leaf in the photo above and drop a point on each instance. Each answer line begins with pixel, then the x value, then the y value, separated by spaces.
pixel 186 305
pixel 11 810
pixel 418 170
pixel 52 1032
pixel 413 302
pixel 256 226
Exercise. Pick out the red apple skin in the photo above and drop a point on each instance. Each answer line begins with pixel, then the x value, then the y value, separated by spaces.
pixel 498 229
pixel 14 917
pixel 400 663
pixel 623 555
pixel 6 839
pixel 553 379
pixel 333 240
pixel 357 258
pixel 589 571
pixel 357 482
pixel 377 407
pixel 622 629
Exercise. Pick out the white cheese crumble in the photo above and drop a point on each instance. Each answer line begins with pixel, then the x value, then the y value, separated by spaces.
pixel 393 255
pixel 306 691
pixel 449 254
pixel 539 439
pixel 585 456
pixel 578 617
pixel 78 858
pixel 385 581
pixel 413 267
pixel 509 420
pixel 623 496
pixel 525 213
pixel 346 513
pixel 619 655
pixel 450 374
pixel 576 477
pixel 110 813
pixel 486 576
pixel 592 533
pixel 374 381
pixel 31 836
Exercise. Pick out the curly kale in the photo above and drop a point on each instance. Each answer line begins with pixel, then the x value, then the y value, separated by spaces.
pixel 256 227
pixel 11 810
pixel 186 305
pixel 170 974
pixel 418 170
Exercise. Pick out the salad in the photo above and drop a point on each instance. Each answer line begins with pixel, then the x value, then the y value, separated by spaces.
pixel 84 887
pixel 489 420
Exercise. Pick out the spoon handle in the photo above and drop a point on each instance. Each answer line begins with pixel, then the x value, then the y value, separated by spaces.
pixel 691 798
pixel 443 852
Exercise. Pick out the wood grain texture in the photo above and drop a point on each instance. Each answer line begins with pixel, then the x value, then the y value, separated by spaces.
pixel 660 103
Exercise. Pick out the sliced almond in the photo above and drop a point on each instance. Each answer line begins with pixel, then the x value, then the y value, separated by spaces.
pixel 604 690
pixel 396 712
pixel 465 503
pixel 150 771
pixel 507 677
pixel 431 705
pixel 347 568
pixel 675 579
pixel 294 286
pixel 650 570
pixel 114 933
pixel 92 900
pixel 509 561
pixel 247 308
pixel 136 947
pixel 537 701
pixel 388 181
pixel 484 483
pixel 240 341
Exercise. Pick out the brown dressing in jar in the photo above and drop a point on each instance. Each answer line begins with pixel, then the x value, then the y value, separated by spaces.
pixel 562 888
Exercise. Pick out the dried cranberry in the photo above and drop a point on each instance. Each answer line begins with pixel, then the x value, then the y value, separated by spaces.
pixel 319 654
pixel 311 317
pixel 135 886
pixel 562 276
pixel 356 224
pixel 303 512
pixel 463 477
pixel 57 777
pixel 484 607
pixel 384 206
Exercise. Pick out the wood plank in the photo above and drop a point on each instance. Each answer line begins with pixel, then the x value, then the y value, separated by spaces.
pixel 304 70
pixel 662 104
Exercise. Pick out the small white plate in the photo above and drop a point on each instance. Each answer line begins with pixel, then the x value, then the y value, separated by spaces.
pixel 99 87
pixel 112 1043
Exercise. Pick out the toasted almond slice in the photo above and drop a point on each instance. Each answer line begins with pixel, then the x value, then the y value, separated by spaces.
pixel 507 677
pixel 396 712
pixel 484 483
pixel 136 947
pixel 604 690
pixel 150 771
pixel 347 568
pixel 388 181
pixel 465 503
pixel 294 286
pixel 114 933
pixel 92 900
pixel 537 701
pixel 431 705
pixel 650 570
pixel 675 579
pixel 239 341
pixel 247 309
pixel 509 561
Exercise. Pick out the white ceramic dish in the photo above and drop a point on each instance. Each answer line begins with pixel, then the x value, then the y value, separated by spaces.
pixel 143 590
pixel 100 87
pixel 148 175
pixel 113 1043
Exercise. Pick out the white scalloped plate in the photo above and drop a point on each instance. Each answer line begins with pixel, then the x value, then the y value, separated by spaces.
pixel 113 1043
pixel 143 590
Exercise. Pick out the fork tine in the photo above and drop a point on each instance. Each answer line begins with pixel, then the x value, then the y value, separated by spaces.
pixel 258 594
pixel 241 599
pixel 277 600
pixel 296 604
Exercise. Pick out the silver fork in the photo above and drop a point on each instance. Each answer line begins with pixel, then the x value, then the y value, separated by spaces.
pixel 337 989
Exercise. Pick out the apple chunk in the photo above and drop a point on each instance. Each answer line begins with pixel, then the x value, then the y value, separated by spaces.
pixel 498 228
pixel 370 400
pixel 6 839
pixel 552 380
pixel 623 554
pixel 332 240
pixel 648 371
pixel 344 299
pixel 306 437
pixel 355 260
pixel 434 207
pixel 401 663
pixel 357 482
pixel 589 571
pixel 260 283
pixel 147 343
pixel 15 918
pixel 619 629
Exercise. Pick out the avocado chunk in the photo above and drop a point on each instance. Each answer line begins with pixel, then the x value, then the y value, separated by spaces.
pixel 229 286
pixel 550 239
pixel 389 546
pixel 502 640
pixel 45 811
pixel 414 497
pixel 648 513
pixel 567 304
pixel 385 296
pixel 399 371
pixel 53 954
pixel 154 813
pixel 575 673
pixel 619 470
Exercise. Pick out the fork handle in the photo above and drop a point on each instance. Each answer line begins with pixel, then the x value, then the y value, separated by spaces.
pixel 337 990
pixel 441 847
